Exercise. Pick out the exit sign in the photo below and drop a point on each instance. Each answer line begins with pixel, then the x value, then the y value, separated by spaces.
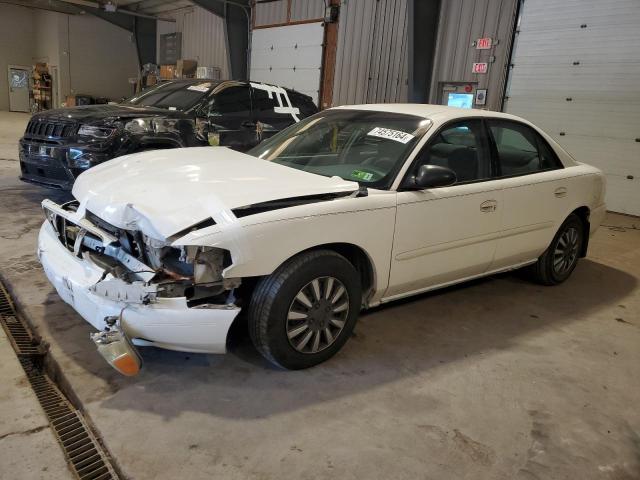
pixel 480 68
pixel 484 43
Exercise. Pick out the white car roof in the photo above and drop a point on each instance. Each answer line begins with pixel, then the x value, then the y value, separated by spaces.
pixel 439 113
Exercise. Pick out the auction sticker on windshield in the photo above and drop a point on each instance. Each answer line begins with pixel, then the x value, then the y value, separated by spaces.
pixel 390 134
pixel 201 87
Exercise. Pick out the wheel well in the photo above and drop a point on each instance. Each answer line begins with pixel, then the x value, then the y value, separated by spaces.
pixel 583 214
pixel 358 258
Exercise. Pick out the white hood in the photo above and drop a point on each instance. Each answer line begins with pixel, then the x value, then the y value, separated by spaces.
pixel 165 191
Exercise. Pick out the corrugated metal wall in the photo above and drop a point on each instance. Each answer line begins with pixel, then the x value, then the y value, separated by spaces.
pixel 372 53
pixel 461 23
pixel 270 13
pixel 306 9
pixel 203 38
pixel 275 13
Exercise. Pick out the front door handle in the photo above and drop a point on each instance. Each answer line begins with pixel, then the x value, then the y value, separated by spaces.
pixel 488 206
pixel 560 192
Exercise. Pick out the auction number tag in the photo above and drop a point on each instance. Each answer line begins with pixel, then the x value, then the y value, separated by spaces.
pixel 390 134
pixel 201 87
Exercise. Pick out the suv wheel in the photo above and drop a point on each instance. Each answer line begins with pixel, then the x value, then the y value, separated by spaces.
pixel 304 312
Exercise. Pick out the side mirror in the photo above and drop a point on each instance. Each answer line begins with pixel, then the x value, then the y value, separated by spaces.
pixel 430 176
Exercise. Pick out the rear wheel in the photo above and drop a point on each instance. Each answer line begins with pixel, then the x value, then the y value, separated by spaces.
pixel 557 263
pixel 304 312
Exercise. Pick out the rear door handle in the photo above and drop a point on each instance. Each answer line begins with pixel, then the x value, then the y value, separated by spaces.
pixel 248 124
pixel 488 206
pixel 560 192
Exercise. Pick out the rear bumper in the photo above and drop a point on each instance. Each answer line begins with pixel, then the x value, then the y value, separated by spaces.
pixel 167 323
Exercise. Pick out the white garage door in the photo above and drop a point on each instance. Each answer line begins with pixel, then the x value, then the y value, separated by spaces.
pixel 289 56
pixel 576 74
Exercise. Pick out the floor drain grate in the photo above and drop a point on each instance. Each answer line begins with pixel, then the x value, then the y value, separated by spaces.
pixel 84 453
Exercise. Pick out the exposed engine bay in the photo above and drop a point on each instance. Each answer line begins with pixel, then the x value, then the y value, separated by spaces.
pixel 140 269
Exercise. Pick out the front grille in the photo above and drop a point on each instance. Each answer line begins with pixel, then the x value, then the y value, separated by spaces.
pixel 49 128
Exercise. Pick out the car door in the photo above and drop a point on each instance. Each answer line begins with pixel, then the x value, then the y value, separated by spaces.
pixel 536 192
pixel 229 118
pixel 447 234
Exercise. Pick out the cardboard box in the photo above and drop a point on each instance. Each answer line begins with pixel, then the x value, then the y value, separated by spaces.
pixel 167 72
pixel 186 68
pixel 71 101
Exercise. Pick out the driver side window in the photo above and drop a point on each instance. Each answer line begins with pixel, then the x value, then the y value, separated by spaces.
pixel 461 147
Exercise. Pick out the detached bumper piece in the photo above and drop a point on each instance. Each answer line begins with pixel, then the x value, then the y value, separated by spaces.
pixel 117 350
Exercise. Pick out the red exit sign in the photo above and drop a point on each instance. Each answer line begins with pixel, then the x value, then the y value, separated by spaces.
pixel 484 43
pixel 480 68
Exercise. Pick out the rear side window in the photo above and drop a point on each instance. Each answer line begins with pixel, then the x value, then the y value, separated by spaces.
pixel 521 150
pixel 303 102
pixel 233 99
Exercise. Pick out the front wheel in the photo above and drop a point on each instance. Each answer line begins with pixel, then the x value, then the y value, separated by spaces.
pixel 556 264
pixel 303 313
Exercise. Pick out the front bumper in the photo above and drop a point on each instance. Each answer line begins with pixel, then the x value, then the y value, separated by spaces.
pixel 167 323
pixel 47 165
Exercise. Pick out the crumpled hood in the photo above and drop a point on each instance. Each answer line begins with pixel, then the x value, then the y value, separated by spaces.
pixel 163 192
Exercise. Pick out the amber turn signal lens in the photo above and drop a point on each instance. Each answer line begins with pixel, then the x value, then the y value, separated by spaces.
pixel 126 364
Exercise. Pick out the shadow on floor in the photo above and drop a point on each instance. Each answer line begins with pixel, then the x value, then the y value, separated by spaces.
pixel 402 339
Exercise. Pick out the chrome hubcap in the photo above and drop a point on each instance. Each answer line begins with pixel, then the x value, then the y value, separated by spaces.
pixel 317 315
pixel 566 252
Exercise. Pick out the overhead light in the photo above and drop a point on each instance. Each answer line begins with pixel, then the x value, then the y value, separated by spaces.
pixel 110 7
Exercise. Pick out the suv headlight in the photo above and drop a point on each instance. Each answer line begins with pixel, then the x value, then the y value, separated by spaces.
pixel 96 132
pixel 150 125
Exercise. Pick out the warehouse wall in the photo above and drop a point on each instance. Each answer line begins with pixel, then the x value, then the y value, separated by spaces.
pixel 203 38
pixel 461 23
pixel 93 57
pixel 16 44
pixel 372 52
pixel 102 57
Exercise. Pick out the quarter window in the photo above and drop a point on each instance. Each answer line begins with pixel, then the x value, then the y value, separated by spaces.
pixel 462 147
pixel 520 149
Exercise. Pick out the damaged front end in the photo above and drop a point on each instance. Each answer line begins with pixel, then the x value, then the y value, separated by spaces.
pixel 139 271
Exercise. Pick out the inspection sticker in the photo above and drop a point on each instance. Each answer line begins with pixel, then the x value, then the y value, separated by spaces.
pixel 360 175
pixel 201 87
pixel 391 134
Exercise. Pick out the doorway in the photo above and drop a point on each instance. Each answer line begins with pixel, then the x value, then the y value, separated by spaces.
pixel 19 88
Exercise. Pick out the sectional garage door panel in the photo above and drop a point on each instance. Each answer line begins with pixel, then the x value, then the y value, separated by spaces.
pixel 575 73
pixel 289 56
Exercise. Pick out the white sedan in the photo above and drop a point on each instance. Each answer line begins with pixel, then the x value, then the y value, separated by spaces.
pixel 347 209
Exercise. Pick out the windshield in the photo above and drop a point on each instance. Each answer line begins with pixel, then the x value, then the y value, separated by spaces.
pixel 363 146
pixel 172 95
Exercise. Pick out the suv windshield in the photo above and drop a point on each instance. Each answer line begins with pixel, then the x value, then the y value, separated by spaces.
pixel 172 95
pixel 358 145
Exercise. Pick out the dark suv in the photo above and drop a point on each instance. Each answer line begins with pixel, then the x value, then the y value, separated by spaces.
pixel 60 144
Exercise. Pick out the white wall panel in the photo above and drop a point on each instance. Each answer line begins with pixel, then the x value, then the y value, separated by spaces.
pixel 288 56
pixel 575 74
pixel 203 38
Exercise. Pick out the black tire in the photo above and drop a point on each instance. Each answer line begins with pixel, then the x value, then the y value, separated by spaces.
pixel 272 300
pixel 545 270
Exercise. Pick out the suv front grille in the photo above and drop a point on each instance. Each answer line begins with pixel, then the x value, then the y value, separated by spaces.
pixel 48 128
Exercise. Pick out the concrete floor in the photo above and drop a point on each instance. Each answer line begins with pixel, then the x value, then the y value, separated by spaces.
pixel 497 379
